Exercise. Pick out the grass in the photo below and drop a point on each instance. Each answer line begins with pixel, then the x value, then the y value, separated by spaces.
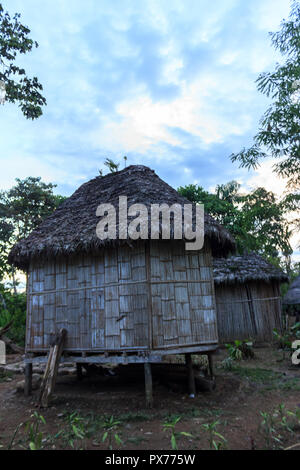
pixel 269 379
pixel 202 413
pixel 290 384
pixel 258 375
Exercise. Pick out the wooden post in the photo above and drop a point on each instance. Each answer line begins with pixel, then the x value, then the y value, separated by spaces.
pixel 28 379
pixel 191 377
pixel 148 384
pixel 210 366
pixel 50 374
pixel 79 371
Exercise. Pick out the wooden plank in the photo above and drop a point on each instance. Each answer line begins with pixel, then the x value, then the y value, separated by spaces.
pixel 190 373
pixel 49 378
pixel 148 385
pixel 28 379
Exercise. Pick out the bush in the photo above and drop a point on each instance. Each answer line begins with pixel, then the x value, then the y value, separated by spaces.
pixel 13 307
pixel 240 350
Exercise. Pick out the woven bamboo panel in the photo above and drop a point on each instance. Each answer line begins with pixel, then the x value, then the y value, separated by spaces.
pixel 182 312
pixel 144 297
pixel 250 310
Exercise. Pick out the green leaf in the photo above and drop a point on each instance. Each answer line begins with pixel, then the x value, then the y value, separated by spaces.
pixel 173 442
pixel 187 434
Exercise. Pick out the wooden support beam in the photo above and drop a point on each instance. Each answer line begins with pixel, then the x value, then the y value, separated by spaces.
pixel 191 377
pixel 28 379
pixel 148 385
pixel 49 378
pixel 210 366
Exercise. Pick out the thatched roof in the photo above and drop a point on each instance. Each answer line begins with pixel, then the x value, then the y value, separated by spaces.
pixel 292 297
pixel 72 227
pixel 250 267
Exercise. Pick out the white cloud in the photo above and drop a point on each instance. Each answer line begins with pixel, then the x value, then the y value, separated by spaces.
pixel 265 177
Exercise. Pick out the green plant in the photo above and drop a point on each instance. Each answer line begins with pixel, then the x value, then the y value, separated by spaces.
pixel 75 431
pixel 32 427
pixel 170 426
pixel 13 308
pixel 111 426
pixel 240 349
pixel 276 422
pixel 285 339
pixel 216 440
pixel 295 330
pixel 33 434
pixel 12 441
pixel 268 429
pixel 227 363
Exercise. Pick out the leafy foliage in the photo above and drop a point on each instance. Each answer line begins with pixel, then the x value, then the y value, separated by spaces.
pixel 277 422
pixel 13 307
pixel 170 425
pixel 285 339
pixel 22 209
pixel 257 220
pixel 279 130
pixel 14 40
pixel 216 440
pixel 33 439
pixel 111 434
pixel 240 349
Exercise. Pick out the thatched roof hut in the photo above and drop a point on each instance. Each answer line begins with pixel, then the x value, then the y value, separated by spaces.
pixel 248 298
pixel 71 228
pixel 291 300
pixel 292 297
pixel 119 296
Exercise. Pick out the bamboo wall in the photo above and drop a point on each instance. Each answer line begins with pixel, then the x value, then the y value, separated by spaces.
pixel 152 296
pixel 250 310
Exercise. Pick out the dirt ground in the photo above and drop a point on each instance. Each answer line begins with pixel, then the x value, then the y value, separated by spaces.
pixel 228 417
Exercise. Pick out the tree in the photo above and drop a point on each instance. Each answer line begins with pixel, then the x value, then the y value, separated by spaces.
pixel 264 221
pixel 279 131
pixel 256 220
pixel 14 40
pixel 13 310
pixel 22 209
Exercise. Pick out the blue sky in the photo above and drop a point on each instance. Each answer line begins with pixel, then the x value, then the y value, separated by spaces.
pixel 170 84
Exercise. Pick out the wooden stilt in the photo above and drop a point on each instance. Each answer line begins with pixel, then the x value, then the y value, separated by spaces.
pixel 210 366
pixel 148 384
pixel 79 371
pixel 191 377
pixel 28 379
pixel 50 374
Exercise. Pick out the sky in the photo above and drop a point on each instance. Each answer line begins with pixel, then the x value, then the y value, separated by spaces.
pixel 168 83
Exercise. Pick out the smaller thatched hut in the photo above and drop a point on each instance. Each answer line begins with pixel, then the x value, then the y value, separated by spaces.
pixel 248 297
pixel 292 299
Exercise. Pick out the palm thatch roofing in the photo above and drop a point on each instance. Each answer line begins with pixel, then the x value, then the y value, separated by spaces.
pixel 72 227
pixel 292 297
pixel 250 267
